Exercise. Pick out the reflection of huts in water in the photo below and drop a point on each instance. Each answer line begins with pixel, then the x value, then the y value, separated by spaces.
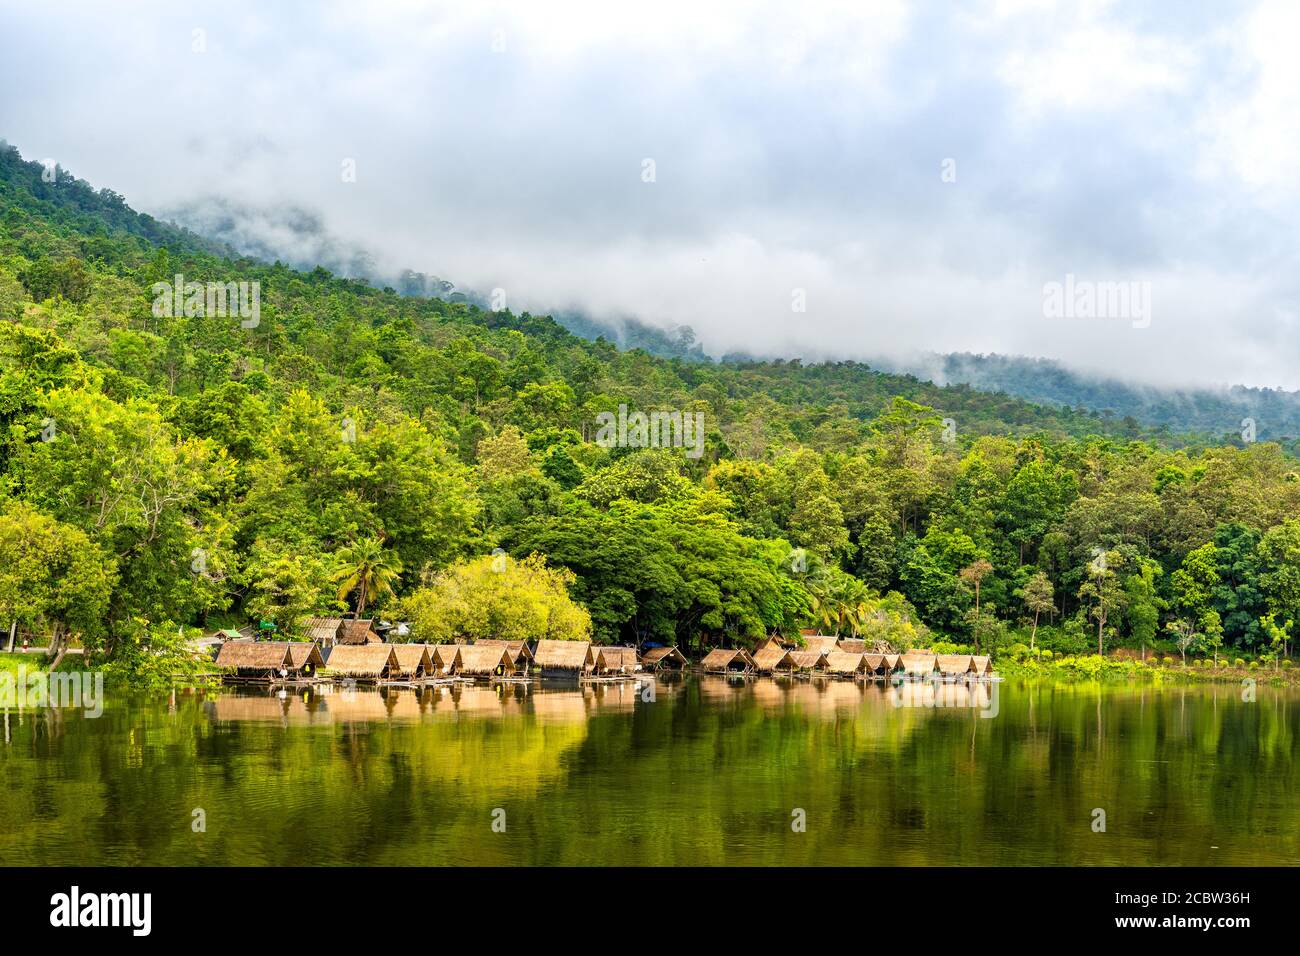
pixel 265 660
pixel 413 661
pixel 722 660
pixel 559 706
pixel 260 708
pixel 773 659
pixel 364 662
pixel 564 658
pixel 955 665
pixel 520 653
pixel 769 694
pixel 919 665
pixel 852 645
pixel 663 658
pixel 828 699
pixel 809 662
pixel 819 643
pixel 473 699
pixel 843 664
pixel 615 660
pixel 485 660
pixel 617 697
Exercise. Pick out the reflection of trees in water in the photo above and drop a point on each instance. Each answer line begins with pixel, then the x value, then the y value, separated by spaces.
pixel 707 772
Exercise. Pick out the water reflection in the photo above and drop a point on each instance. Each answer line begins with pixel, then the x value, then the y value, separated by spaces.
pixel 682 770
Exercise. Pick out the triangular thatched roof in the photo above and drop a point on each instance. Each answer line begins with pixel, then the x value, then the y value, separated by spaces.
pixel 822 643
pixel 842 662
pixel 663 657
pixel 809 660
pixel 564 655
pixel 412 657
pixel 359 632
pixel 324 630
pixel 446 657
pixel 254 655
pixel 982 664
pixel 364 660
pixel 851 645
pixel 726 658
pixel 919 664
pixel 875 662
pixel 616 658
pixel 302 654
pixel 484 659
pixel 955 664
pixel 771 658
pixel 519 650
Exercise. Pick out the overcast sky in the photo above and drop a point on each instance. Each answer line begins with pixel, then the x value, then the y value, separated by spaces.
pixel 797 147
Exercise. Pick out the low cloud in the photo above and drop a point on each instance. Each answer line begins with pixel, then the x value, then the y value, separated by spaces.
pixel 912 175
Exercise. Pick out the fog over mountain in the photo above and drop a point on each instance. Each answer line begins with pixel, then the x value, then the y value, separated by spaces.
pixel 784 181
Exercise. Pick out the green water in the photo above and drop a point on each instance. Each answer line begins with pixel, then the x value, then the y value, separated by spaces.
pixel 708 772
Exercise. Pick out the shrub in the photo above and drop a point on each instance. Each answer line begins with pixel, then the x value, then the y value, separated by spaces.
pixel 1017 651
pixel 1254 665
pixel 1239 663
pixel 1287 664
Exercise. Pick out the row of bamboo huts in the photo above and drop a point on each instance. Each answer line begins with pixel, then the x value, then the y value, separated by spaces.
pixel 518 660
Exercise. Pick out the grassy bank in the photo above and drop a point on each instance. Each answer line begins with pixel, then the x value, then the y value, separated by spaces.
pixel 1092 667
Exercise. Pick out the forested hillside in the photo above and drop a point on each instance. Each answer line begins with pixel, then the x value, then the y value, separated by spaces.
pixel 1275 413
pixel 351 448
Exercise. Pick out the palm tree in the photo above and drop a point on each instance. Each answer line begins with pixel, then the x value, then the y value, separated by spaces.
pixel 367 569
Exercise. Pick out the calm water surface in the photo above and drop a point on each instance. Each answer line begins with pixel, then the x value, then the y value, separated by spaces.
pixel 709 772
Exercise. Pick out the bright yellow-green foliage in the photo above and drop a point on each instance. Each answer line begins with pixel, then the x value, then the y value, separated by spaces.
pixel 496 597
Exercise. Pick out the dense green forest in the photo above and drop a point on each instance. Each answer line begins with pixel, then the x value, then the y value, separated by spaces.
pixel 351 448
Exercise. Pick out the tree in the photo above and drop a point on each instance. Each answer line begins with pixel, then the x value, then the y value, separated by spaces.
pixel 1038 596
pixel 53 579
pixel 1142 605
pixel 1102 589
pixel 368 568
pixel 1279 556
pixel 522 600
pixel 1193 585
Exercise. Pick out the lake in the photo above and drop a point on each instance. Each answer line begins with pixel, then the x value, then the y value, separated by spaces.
pixel 708 771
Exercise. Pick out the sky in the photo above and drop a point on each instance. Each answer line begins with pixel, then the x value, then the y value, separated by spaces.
pixel 807 180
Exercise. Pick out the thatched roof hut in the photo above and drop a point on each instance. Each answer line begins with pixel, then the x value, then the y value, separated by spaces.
pixel 772 658
pixel 446 658
pixel 875 664
pixel 954 665
pixel 852 645
pixel 304 659
pixel 364 661
pixel 323 630
pixel 773 640
pixel 256 659
pixel 982 665
pixel 520 652
pixel 413 660
pixel 893 662
pixel 820 643
pixel 844 664
pixel 809 660
pixel 721 660
pixel 918 665
pixel 657 657
pixel 359 632
pixel 615 660
pixel 564 658
pixel 485 660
